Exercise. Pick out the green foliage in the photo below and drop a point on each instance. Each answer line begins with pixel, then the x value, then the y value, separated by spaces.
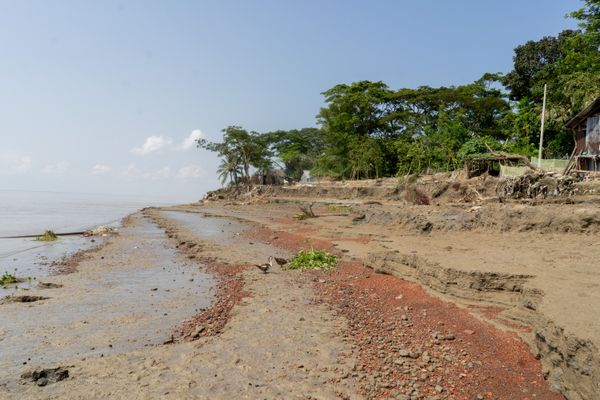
pixel 339 208
pixel 313 259
pixel 477 145
pixel 8 279
pixel 368 130
pixel 48 236
pixel 297 149
pixel 239 151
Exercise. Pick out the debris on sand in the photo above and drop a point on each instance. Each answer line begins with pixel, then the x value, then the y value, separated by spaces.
pixel 535 185
pixel 102 230
pixel 49 285
pixel 43 377
pixel 22 299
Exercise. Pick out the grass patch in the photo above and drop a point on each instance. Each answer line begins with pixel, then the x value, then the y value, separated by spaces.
pixel 48 236
pixel 313 259
pixel 8 279
pixel 339 208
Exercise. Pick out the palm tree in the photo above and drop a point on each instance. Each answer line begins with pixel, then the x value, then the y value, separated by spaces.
pixel 229 169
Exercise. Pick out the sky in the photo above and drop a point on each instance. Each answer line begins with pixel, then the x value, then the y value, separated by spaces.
pixel 108 97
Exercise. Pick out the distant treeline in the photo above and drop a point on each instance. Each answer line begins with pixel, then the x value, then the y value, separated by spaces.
pixel 367 130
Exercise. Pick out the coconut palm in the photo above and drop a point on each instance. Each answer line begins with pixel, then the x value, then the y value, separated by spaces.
pixel 229 169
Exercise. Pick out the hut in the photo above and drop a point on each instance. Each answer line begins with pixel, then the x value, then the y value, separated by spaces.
pixel 585 127
pixel 275 177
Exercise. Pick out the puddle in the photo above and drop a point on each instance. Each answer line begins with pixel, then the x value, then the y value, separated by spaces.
pixel 207 227
pixel 134 302
pixel 224 230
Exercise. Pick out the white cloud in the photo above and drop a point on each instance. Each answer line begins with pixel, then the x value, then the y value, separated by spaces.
pixel 14 164
pixel 99 169
pixel 56 169
pixel 191 172
pixel 152 144
pixel 191 140
pixel 162 173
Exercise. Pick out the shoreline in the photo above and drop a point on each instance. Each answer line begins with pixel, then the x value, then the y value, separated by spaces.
pixel 382 351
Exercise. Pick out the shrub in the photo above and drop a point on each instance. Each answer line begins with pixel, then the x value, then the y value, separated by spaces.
pixel 48 236
pixel 8 279
pixel 313 259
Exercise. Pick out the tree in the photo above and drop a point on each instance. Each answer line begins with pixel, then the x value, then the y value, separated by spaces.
pixel 531 62
pixel 240 150
pixel 298 149
pixel 229 169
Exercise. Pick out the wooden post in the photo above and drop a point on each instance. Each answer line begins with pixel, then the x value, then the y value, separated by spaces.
pixel 542 129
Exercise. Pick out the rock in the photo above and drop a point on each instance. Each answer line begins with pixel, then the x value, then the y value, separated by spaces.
pixel 197 331
pixel 43 377
pixel 404 353
pixel 49 285
pixel 22 299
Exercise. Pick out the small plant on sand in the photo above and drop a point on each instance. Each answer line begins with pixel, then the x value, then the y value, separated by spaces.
pixel 306 212
pixel 339 208
pixel 313 259
pixel 48 236
pixel 8 279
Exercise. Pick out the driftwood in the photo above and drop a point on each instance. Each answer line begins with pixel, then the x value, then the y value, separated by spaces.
pixel 306 212
pixel 535 185
pixel 570 164
pixel 36 236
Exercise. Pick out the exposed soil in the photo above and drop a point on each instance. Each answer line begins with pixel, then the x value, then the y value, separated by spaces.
pixel 451 300
pixel 413 344
pixel 524 266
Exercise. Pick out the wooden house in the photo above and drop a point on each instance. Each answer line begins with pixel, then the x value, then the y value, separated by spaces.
pixel 586 132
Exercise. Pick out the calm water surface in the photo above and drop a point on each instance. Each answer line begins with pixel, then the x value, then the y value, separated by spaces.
pixel 31 213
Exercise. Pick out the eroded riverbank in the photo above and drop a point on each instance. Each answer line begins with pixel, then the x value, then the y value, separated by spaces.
pixel 347 333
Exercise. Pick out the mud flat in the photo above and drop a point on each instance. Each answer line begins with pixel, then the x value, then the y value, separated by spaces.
pixel 274 344
pixel 126 296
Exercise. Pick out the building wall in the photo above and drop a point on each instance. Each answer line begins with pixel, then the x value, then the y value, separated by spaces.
pixel 587 141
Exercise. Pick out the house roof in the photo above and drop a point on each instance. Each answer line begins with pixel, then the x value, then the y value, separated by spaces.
pixel 593 107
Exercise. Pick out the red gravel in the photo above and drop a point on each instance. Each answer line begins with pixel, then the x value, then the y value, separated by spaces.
pixel 389 317
pixel 230 291
pixel 293 240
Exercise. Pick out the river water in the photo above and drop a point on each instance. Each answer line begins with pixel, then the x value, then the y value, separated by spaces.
pixel 31 213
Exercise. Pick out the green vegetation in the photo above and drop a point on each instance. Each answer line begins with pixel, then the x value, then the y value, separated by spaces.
pixel 368 130
pixel 48 236
pixel 8 279
pixel 313 259
pixel 339 208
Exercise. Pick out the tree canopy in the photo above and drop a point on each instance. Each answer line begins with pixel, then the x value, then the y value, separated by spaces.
pixel 367 129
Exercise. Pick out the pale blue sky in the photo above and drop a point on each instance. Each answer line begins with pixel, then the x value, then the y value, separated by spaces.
pixel 84 85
